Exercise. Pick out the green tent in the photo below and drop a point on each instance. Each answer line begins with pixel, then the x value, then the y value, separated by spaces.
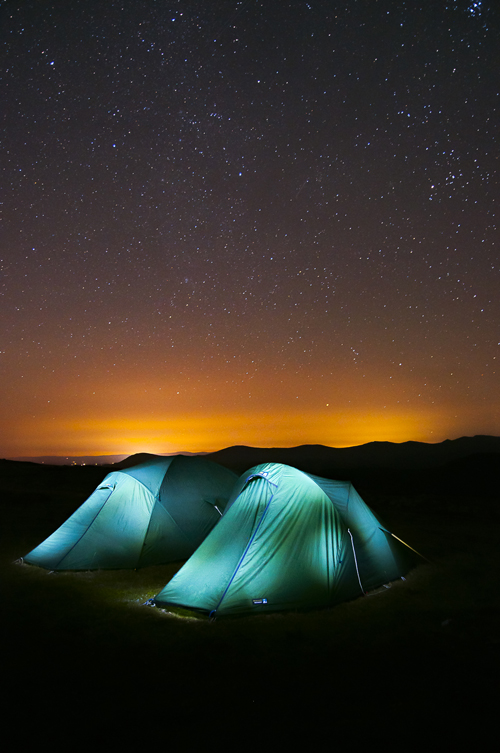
pixel 155 512
pixel 287 540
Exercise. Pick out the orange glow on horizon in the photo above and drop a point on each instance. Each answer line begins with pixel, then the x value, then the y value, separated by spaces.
pixel 194 433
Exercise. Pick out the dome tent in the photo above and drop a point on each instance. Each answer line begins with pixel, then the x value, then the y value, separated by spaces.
pixel 149 514
pixel 287 540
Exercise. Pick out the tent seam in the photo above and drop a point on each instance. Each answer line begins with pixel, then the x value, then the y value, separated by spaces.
pixel 213 612
pixel 88 527
pixel 157 501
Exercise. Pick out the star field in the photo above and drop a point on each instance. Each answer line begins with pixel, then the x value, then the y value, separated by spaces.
pixel 265 223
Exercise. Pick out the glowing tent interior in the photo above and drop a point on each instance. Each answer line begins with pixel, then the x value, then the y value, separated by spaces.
pixel 150 514
pixel 287 540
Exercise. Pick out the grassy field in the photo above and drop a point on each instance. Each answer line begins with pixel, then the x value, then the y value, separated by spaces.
pixel 418 660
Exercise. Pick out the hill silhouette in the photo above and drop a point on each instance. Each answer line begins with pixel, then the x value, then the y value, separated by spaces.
pixel 317 459
pixel 458 467
pixel 325 461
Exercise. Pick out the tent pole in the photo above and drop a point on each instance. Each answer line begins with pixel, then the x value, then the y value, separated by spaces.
pixel 356 562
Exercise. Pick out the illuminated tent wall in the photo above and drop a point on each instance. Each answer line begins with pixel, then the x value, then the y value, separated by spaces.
pixel 287 540
pixel 152 513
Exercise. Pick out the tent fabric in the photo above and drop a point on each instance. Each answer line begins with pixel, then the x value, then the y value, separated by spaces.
pixel 150 514
pixel 287 540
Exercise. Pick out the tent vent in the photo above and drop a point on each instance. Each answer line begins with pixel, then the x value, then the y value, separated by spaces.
pixel 259 601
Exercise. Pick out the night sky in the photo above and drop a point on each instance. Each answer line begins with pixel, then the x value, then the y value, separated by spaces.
pixel 264 222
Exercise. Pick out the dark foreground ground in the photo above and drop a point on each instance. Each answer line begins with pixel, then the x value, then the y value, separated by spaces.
pixel 414 665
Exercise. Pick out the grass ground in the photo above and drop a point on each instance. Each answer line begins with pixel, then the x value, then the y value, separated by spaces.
pixel 416 661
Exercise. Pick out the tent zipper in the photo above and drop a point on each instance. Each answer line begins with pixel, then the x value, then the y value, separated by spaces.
pixel 252 537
